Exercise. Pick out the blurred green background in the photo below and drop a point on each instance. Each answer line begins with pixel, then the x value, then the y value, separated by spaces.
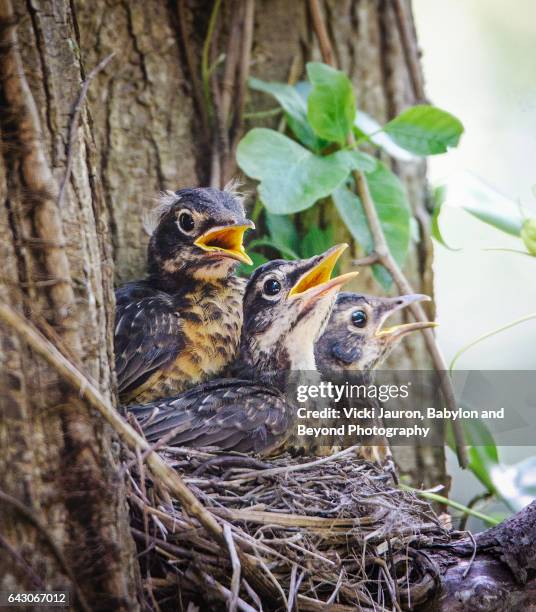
pixel 479 59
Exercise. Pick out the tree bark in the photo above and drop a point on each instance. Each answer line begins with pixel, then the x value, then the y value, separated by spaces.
pixel 144 127
pixel 63 513
pixel 494 572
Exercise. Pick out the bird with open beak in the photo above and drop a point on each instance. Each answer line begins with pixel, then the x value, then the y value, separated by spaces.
pixel 181 325
pixel 286 307
pixel 357 339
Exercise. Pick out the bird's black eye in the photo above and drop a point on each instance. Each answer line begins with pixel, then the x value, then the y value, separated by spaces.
pixel 359 318
pixel 186 221
pixel 272 287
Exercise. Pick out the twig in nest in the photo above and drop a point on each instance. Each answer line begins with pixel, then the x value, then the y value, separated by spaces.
pixel 473 555
pixel 383 255
pixel 73 127
pixel 235 562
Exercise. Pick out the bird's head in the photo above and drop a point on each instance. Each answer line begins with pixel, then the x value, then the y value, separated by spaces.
pixel 356 338
pixel 198 233
pixel 286 306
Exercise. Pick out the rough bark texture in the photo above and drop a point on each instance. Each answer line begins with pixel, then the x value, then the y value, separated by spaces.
pixel 140 131
pixel 502 576
pixel 57 456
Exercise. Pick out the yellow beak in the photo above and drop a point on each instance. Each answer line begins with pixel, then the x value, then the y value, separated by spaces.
pixel 317 281
pixel 399 330
pixel 227 240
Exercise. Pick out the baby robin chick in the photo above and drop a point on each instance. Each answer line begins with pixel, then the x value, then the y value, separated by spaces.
pixel 181 325
pixel 286 306
pixel 356 339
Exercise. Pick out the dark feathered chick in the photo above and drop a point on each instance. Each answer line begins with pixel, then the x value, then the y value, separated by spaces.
pixel 182 324
pixel 286 306
pixel 356 339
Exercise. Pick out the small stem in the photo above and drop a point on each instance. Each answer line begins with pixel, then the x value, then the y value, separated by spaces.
pixel 489 335
pixel 326 48
pixel 262 114
pixel 453 504
pixel 256 212
pixel 368 260
pixel 205 68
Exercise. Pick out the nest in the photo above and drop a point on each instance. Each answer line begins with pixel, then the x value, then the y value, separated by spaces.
pixel 335 530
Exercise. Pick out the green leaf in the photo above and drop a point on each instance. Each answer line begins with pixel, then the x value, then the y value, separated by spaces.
pixel 292 178
pixel 393 210
pixel 257 258
pixel 351 211
pixel 528 235
pixel 273 244
pixel 331 104
pixel 367 128
pixel 482 450
pixel 316 241
pixel 439 199
pixel 357 160
pixel 425 130
pixel 295 107
pixel 283 231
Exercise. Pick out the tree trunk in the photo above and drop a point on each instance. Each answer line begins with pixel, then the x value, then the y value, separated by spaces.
pixel 143 127
pixel 63 513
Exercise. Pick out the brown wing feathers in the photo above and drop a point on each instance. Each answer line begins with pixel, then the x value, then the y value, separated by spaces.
pixel 231 414
pixel 148 335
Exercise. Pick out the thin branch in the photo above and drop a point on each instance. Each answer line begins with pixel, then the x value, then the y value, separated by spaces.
pixel 410 50
pixel 36 579
pixel 245 61
pixel 230 70
pixel 368 260
pixel 205 71
pixel 73 127
pixel 324 41
pixel 385 258
pixel 235 563
pixel 383 255
pixel 197 86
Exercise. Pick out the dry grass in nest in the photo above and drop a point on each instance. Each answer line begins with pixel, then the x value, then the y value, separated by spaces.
pixel 333 531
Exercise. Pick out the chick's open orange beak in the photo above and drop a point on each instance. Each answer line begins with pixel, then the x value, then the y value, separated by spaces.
pixel 317 281
pixel 226 240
